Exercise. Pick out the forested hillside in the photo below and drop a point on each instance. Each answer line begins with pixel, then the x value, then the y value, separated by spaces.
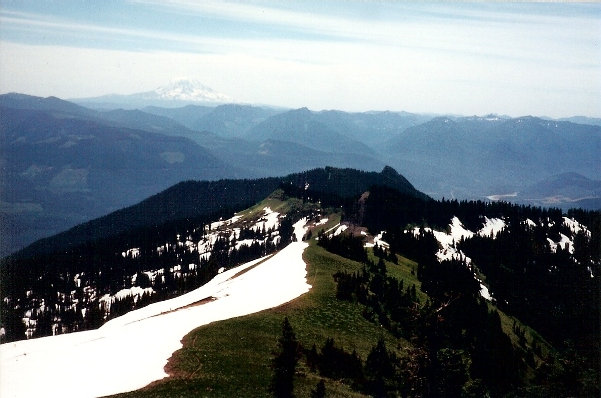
pixel 56 283
pixel 401 306
pixel 478 264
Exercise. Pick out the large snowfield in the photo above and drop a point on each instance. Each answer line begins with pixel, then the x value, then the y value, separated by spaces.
pixel 131 351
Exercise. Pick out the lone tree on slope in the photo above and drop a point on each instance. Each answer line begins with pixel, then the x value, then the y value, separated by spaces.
pixel 284 362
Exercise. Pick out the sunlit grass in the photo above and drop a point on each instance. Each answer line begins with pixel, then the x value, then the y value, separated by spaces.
pixel 232 357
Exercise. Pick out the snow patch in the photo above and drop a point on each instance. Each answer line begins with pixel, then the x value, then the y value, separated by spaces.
pixel 378 241
pixel 136 292
pixel 132 350
pixel 244 242
pixel 484 292
pixel 131 253
pixel 270 220
pixel 575 226
pixel 448 241
pixel 492 226
pixel 340 229
pixel 333 228
pixel 564 243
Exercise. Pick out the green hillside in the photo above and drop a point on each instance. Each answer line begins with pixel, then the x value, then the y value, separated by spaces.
pixel 233 357
pixel 407 318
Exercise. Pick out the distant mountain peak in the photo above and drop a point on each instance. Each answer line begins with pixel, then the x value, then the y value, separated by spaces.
pixel 492 117
pixel 389 171
pixel 304 111
pixel 189 90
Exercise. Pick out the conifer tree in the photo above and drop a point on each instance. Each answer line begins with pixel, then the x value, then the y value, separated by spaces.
pixel 284 362
pixel 380 370
pixel 319 391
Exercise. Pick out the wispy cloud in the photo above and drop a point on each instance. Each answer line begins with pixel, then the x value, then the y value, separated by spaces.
pixel 502 40
pixel 427 51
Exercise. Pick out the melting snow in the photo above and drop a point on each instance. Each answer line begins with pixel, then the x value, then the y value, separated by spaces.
pixel 340 230
pixel 135 291
pixel 378 241
pixel 484 292
pixel 270 220
pixel 575 226
pixel 448 241
pixel 564 243
pixel 244 242
pixel 333 228
pixel 132 253
pixel 492 226
pixel 131 351
pixel 217 224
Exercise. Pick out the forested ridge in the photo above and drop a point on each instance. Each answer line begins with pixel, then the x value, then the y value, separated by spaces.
pixel 540 266
pixel 86 286
pixel 157 249
pixel 459 345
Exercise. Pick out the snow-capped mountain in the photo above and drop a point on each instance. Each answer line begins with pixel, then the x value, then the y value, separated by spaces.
pixel 176 93
pixel 188 90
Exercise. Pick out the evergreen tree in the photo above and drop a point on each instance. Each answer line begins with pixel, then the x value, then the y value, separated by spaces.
pixel 453 373
pixel 319 391
pixel 284 362
pixel 380 370
pixel 12 322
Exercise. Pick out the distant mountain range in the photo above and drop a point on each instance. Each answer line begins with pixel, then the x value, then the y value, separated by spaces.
pixel 177 93
pixel 64 163
pixel 566 190
pixel 194 199
pixel 476 157
pixel 593 121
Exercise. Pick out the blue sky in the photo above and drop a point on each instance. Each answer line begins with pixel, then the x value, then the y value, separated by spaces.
pixel 462 58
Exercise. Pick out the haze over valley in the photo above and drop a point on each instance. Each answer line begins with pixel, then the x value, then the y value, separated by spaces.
pixel 66 163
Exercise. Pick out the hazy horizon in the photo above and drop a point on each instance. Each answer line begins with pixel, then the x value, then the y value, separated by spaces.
pixel 512 59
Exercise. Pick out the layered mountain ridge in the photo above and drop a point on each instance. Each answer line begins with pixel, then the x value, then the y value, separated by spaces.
pixel 465 157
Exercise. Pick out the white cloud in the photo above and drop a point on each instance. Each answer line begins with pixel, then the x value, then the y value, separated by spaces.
pixel 453 60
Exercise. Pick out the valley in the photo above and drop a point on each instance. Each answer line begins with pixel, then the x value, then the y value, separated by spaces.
pixel 95 161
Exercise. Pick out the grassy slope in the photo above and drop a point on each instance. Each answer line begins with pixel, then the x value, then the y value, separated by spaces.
pixel 232 357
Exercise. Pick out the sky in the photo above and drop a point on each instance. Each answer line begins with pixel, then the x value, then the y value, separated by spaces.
pixel 516 59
